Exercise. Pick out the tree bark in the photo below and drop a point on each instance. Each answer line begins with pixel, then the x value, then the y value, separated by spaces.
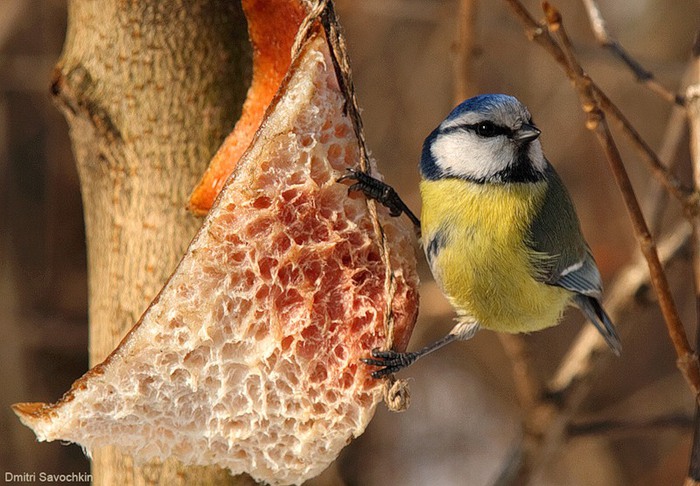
pixel 150 89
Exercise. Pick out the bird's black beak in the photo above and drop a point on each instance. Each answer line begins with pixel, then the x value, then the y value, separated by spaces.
pixel 526 133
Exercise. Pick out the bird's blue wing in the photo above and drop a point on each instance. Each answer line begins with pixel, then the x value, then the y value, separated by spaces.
pixel 562 257
pixel 581 277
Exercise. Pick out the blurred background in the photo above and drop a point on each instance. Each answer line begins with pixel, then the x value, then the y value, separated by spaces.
pixel 464 420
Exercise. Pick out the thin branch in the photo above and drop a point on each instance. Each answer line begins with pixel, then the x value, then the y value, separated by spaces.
pixel 656 200
pixel 589 346
pixel 687 360
pixel 527 387
pixel 464 51
pixel 630 427
pixel 693 108
pixel 539 34
pixel 644 76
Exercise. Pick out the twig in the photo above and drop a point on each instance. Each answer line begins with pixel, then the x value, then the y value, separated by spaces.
pixel 693 107
pixel 689 199
pixel 657 198
pixel 644 76
pixel 464 50
pixel 538 414
pixel 619 427
pixel 539 34
pixel 589 346
pixel 687 360
pixel 527 387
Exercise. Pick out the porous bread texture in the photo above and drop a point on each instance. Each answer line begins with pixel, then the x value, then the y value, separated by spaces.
pixel 249 357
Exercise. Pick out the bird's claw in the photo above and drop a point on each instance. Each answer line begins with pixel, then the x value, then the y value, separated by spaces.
pixel 388 361
pixel 378 190
pixel 372 188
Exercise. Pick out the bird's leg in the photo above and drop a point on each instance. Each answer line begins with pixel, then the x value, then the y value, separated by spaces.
pixel 391 361
pixel 379 191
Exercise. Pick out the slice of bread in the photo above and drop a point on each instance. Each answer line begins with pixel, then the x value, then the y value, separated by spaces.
pixel 272 28
pixel 249 356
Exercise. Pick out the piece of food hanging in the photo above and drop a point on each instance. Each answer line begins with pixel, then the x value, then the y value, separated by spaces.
pixel 249 358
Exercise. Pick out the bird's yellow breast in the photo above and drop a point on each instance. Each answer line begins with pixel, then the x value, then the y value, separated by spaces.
pixel 475 238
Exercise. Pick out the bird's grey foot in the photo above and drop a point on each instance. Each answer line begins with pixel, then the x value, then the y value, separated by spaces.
pixel 393 361
pixel 380 191
pixel 389 361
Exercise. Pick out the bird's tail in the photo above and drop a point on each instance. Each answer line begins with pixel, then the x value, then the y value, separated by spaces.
pixel 592 309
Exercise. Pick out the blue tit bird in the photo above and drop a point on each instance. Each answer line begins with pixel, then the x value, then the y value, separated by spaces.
pixel 498 227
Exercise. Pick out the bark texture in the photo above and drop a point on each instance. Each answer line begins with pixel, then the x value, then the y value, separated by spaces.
pixel 150 89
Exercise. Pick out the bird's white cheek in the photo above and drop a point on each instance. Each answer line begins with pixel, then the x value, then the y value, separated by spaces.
pixel 464 155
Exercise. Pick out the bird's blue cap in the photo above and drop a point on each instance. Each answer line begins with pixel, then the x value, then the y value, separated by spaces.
pixel 484 104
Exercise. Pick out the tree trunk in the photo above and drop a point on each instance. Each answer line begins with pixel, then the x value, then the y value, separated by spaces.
pixel 150 89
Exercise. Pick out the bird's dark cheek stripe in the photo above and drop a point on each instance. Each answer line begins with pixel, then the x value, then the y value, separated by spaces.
pixel 521 170
pixel 428 166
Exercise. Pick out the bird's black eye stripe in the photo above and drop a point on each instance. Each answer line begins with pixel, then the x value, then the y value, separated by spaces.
pixel 488 129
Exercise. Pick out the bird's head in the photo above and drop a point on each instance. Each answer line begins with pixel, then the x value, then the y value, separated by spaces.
pixel 488 138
